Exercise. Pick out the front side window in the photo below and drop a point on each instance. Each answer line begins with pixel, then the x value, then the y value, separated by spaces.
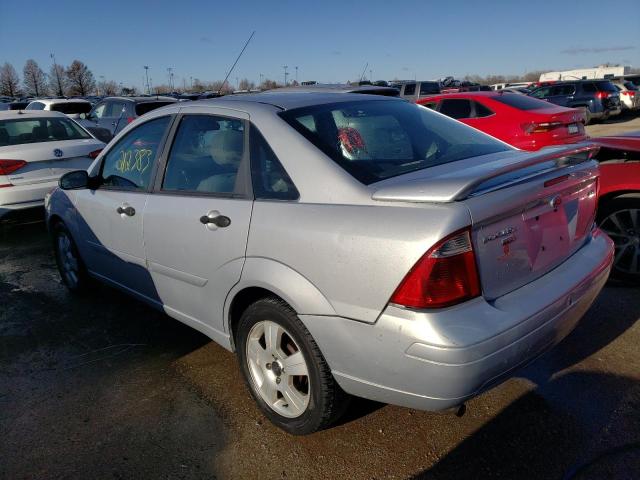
pixel 19 131
pixel 117 109
pixel 456 108
pixel 269 178
pixel 128 165
pixel 71 108
pixel 206 155
pixel 378 139
pixel 541 92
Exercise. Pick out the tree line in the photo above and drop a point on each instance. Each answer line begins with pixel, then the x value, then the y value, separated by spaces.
pixel 61 81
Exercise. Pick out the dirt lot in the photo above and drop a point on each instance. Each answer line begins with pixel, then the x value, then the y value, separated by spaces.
pixel 104 387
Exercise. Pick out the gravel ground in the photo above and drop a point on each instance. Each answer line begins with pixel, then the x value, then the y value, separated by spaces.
pixel 104 387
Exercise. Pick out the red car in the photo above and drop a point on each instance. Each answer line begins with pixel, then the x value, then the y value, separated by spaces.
pixel 619 203
pixel 524 122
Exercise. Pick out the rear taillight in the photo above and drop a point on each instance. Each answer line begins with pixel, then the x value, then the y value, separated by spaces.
pixel 534 127
pixel 94 154
pixel 444 276
pixel 9 166
pixel 630 93
pixel 603 95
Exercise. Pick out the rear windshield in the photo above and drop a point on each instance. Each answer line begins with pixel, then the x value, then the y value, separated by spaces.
pixel 21 131
pixel 630 86
pixel 429 88
pixel 374 140
pixel 521 102
pixel 142 108
pixel 71 107
pixel 605 87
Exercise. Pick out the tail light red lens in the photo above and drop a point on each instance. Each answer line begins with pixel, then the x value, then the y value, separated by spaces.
pixel 603 95
pixel 444 276
pixel 533 127
pixel 94 154
pixel 9 166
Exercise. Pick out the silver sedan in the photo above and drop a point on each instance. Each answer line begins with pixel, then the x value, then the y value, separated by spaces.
pixel 36 149
pixel 340 244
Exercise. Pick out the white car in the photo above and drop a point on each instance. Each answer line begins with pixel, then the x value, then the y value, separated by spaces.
pixel 629 95
pixel 72 107
pixel 36 148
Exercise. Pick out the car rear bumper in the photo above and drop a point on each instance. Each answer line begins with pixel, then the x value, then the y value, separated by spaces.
pixel 20 197
pixel 437 360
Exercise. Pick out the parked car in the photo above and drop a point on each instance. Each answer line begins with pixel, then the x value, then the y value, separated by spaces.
pixel 502 86
pixel 629 95
pixel 72 107
pixel 36 148
pixel 598 98
pixel 13 106
pixel 619 203
pixel 340 243
pixel 412 90
pixel 519 120
pixel 340 88
pixel 112 114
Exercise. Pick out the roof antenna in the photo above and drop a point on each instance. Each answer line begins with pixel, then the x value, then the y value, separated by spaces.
pixel 364 70
pixel 234 63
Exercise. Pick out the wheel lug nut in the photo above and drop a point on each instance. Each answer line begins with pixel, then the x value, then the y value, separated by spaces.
pixel 278 380
pixel 268 366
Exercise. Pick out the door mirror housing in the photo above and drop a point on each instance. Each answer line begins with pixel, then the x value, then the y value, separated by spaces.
pixel 76 180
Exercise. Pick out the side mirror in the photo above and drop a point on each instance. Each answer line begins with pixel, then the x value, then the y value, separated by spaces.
pixel 75 180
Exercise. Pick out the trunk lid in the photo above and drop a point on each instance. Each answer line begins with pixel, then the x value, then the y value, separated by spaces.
pixel 528 214
pixel 42 163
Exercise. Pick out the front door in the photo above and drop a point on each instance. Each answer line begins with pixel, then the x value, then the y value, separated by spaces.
pixel 111 215
pixel 197 220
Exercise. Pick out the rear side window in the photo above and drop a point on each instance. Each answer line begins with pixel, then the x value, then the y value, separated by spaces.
pixel 205 155
pixel 377 139
pixel 429 88
pixel 589 87
pixel 35 106
pixel 142 108
pixel 541 92
pixel 128 165
pixel 269 178
pixel 481 110
pixel 605 87
pixel 18 132
pixel 116 109
pixel 456 108
pixel 560 90
pixel 521 102
pixel 410 89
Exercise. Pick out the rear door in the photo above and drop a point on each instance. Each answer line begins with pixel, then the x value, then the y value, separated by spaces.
pixel 197 220
pixel 110 217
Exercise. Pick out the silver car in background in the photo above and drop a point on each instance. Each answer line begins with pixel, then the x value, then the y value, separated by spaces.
pixel 340 244
pixel 36 149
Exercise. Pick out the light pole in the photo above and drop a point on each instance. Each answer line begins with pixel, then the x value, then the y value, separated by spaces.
pixel 102 84
pixel 296 75
pixel 261 79
pixel 170 73
pixel 285 74
pixel 58 81
pixel 146 74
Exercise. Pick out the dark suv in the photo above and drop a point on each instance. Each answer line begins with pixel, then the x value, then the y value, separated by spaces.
pixel 112 114
pixel 598 98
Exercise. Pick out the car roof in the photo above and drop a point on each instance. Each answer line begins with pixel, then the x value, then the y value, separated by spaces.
pixel 51 101
pixel 288 101
pixel 154 98
pixel 24 114
pixel 335 88
pixel 481 93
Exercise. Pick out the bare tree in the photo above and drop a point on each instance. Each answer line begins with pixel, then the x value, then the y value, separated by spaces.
pixel 268 84
pixel 57 80
pixel 218 86
pixel 34 79
pixel 129 91
pixel 108 87
pixel 9 81
pixel 80 78
pixel 245 84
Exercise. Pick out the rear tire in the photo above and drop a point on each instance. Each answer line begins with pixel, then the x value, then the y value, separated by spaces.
pixel 71 267
pixel 587 115
pixel 620 219
pixel 271 339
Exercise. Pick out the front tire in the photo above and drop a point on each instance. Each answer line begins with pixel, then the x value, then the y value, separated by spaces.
pixel 620 219
pixel 286 373
pixel 71 267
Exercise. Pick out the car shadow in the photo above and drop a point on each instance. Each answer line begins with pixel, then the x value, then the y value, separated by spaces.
pixel 594 434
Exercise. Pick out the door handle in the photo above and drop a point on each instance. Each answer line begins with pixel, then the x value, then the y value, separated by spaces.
pixel 215 219
pixel 127 210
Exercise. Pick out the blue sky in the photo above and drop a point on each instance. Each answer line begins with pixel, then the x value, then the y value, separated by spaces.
pixel 329 41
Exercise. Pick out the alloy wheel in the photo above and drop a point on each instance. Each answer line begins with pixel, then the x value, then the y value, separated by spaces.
pixel 68 260
pixel 623 226
pixel 278 369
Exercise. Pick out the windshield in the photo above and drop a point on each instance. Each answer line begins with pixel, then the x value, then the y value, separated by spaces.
pixel 21 131
pixel 375 140
pixel 71 108
pixel 521 102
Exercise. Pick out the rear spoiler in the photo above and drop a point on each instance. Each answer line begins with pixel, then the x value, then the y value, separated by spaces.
pixel 461 184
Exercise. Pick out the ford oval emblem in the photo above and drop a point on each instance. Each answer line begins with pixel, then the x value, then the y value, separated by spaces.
pixel 58 153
